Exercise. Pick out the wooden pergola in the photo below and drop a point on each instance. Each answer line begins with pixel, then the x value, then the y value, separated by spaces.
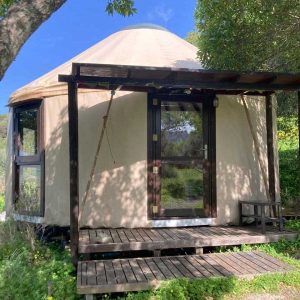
pixel 147 79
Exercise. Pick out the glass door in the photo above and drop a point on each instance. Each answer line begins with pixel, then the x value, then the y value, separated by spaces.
pixel 181 164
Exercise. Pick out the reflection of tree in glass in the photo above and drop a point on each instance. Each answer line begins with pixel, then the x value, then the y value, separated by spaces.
pixel 181 133
pixel 28 199
pixel 28 132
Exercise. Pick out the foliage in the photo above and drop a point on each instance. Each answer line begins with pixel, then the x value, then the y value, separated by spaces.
pixel 122 7
pixel 249 35
pixel 2 203
pixel 27 266
pixel 4 6
pixel 288 159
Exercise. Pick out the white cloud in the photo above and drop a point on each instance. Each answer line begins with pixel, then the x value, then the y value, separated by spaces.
pixel 161 12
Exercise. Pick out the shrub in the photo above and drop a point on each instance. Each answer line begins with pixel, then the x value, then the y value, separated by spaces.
pixel 26 266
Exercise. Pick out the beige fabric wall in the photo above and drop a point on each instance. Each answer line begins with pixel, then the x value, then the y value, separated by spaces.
pixel 239 176
pixel 118 195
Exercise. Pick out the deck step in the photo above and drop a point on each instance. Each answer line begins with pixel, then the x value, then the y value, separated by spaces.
pixel 136 274
pixel 124 239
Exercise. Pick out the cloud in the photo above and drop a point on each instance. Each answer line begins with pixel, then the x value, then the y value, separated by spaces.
pixel 161 12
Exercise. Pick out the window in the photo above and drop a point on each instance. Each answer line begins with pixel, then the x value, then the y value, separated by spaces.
pixel 28 160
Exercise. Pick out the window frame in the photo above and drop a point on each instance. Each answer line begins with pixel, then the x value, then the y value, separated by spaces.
pixel 33 160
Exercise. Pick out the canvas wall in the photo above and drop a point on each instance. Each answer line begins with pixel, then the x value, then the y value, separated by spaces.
pixel 118 195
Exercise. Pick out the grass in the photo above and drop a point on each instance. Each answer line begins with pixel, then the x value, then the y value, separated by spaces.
pixel 27 266
pixel 2 203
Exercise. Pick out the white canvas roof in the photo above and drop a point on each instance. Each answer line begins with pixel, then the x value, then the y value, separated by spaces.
pixel 144 45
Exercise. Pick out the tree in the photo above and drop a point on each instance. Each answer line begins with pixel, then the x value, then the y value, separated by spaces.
pixel 20 18
pixel 249 35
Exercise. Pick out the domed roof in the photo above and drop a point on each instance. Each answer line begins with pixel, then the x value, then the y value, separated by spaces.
pixel 139 45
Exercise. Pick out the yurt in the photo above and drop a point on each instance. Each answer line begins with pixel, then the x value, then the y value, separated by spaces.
pixel 159 158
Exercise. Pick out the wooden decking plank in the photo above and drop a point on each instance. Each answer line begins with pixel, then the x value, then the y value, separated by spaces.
pixel 101 275
pixel 200 266
pixel 176 273
pixel 84 273
pixel 104 236
pixel 163 268
pixel 155 270
pixel 120 276
pixel 137 235
pixel 91 273
pixel 184 271
pixel 248 265
pixel 248 269
pixel 184 261
pixel 115 236
pixel 129 235
pixel 128 271
pixel 215 266
pixel 226 263
pixel 138 273
pixel 277 262
pixel 254 262
pixel 263 263
pixel 168 233
pixel 164 235
pixel 145 268
pixel 270 265
pixel 110 272
pixel 241 266
pixel 93 235
pixel 79 273
pixel 144 235
pixel 122 236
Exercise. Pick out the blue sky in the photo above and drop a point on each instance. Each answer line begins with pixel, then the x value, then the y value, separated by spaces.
pixel 78 25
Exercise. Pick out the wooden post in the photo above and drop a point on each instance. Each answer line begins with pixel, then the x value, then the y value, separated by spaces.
pixel 270 147
pixel 73 159
pixel 299 136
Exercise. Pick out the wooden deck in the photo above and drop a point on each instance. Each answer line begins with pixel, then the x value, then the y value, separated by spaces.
pixel 111 240
pixel 134 274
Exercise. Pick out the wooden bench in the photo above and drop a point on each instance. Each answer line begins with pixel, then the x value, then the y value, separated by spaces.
pixel 260 214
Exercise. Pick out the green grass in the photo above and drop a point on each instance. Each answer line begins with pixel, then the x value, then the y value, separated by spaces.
pixel 27 266
pixel 2 203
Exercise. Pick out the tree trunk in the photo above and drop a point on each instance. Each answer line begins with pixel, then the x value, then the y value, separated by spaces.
pixel 22 19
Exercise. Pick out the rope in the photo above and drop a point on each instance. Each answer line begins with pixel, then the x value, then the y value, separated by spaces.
pixel 92 173
pixel 257 149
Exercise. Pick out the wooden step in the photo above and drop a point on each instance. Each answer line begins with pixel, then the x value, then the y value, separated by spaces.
pixel 135 274
pixel 124 239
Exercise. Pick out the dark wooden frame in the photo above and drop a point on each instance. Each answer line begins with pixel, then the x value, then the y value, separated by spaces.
pixel 35 160
pixel 147 79
pixel 209 165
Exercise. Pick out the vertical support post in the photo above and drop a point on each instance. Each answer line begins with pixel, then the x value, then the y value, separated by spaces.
pixel 73 160
pixel 299 136
pixel 270 148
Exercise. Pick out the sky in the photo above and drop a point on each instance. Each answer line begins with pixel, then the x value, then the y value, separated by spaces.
pixel 78 25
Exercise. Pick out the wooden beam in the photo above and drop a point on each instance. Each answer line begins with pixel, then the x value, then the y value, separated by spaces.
pixel 270 147
pixel 73 160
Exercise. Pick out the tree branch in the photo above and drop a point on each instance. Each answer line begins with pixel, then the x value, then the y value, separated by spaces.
pixel 21 20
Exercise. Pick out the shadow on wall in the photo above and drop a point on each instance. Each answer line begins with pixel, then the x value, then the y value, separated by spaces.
pixel 118 194
pixel 239 176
